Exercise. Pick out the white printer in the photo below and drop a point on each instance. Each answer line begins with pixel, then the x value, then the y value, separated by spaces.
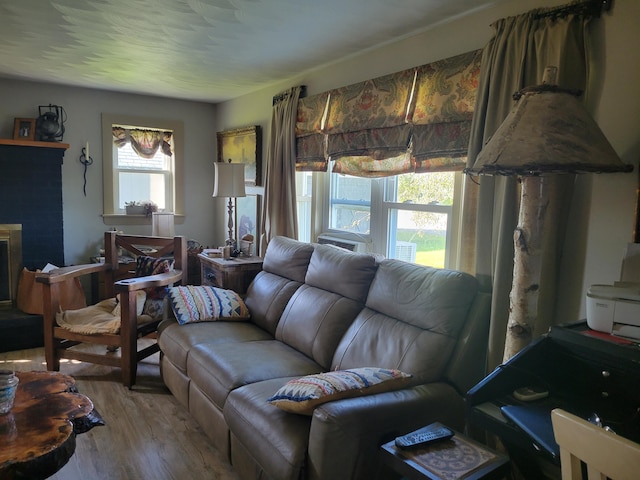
pixel 615 309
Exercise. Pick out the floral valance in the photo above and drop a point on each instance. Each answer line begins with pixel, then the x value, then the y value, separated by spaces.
pixel 416 120
pixel 310 141
pixel 369 119
pixel 445 97
pixel 144 142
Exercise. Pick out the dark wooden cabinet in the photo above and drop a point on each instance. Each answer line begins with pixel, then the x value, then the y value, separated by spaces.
pixel 585 373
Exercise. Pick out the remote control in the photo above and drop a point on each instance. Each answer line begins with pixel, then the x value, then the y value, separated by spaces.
pixel 433 433
pixel 529 394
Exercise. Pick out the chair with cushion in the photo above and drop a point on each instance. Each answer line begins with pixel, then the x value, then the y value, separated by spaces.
pixel 136 272
pixel 605 454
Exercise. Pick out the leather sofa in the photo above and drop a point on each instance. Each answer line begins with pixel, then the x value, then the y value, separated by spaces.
pixel 317 308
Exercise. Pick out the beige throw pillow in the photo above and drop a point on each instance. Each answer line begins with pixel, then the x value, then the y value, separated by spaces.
pixel 304 394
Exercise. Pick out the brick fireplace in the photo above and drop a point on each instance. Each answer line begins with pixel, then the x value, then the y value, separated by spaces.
pixel 31 197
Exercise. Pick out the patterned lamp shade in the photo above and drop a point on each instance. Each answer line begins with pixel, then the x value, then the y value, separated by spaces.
pixel 548 131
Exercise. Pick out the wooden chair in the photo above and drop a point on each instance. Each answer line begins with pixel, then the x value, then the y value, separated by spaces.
pixel 119 279
pixel 605 454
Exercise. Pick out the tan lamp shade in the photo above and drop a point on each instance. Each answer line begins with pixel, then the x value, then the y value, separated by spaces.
pixel 548 131
pixel 229 180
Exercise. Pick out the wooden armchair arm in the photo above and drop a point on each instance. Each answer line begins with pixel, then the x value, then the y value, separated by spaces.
pixel 139 283
pixel 66 273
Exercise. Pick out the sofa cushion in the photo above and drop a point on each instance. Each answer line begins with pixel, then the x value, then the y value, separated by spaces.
pixel 429 298
pixel 412 321
pixel 314 322
pixel 302 395
pixel 192 304
pixel 337 270
pixel 288 258
pixel 267 297
pixel 276 439
pixel 219 368
pixel 176 340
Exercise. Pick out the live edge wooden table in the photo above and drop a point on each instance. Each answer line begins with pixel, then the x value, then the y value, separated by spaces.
pixel 38 435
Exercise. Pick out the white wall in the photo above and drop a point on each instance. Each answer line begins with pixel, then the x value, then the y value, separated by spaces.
pixel 603 212
pixel 83 224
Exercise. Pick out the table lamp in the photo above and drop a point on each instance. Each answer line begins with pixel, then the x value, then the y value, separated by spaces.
pixel 229 182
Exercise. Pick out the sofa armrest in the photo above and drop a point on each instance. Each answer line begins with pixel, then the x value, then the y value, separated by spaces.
pixel 346 435
pixel 468 363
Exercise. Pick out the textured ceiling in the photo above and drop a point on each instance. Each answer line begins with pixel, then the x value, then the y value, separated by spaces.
pixel 207 50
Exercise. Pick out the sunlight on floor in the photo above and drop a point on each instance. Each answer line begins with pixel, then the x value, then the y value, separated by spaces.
pixel 24 364
pixel 8 362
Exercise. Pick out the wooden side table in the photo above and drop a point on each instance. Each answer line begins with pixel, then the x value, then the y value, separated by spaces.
pixel 455 459
pixel 233 274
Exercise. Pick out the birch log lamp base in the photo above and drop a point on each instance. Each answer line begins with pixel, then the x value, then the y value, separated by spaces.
pixel 548 132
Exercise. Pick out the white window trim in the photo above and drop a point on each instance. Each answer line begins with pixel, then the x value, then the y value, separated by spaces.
pixel 379 229
pixel 110 216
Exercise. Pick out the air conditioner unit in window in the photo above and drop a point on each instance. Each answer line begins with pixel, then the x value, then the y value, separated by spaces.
pixel 406 251
pixel 344 243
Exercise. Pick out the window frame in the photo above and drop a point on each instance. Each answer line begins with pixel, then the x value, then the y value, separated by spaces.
pixel 327 208
pixel 378 238
pixel 110 215
pixel 453 218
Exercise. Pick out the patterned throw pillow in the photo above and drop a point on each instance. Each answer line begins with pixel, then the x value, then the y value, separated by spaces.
pixel 302 395
pixel 146 266
pixel 206 304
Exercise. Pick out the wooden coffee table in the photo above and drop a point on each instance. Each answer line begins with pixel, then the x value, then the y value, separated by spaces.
pixel 38 436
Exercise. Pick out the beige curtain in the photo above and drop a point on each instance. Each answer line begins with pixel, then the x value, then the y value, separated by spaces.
pixel 279 210
pixel 516 57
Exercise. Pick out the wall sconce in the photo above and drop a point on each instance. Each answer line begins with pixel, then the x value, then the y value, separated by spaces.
pixel 229 182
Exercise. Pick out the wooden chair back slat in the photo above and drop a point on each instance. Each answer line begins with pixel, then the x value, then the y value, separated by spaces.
pixel 605 454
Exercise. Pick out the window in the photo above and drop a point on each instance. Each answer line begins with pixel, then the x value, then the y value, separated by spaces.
pixel 350 204
pixel 145 162
pixel 304 202
pixel 141 179
pixel 418 210
pixel 412 217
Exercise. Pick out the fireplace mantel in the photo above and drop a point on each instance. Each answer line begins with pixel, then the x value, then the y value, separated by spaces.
pixel 29 143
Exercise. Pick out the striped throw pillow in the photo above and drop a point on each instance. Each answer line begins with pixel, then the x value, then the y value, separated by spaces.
pixel 304 394
pixel 206 304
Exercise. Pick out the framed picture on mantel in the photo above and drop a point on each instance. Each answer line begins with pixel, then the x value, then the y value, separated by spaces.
pixel 24 129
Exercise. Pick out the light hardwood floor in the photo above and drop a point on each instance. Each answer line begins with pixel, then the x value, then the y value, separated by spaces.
pixel 148 435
